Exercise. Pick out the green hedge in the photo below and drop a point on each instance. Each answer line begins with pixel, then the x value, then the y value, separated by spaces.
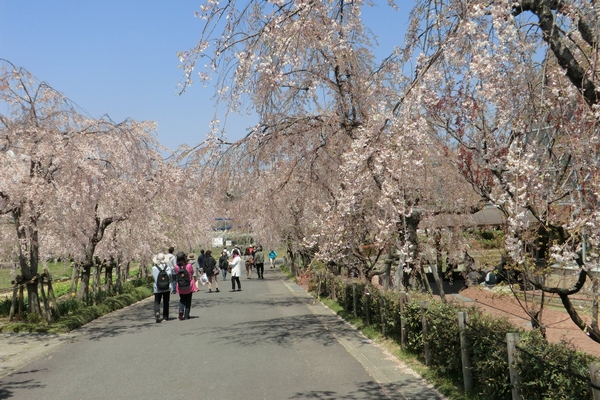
pixel 547 371
pixel 76 314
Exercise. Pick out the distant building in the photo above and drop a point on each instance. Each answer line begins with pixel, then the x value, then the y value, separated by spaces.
pixel 222 224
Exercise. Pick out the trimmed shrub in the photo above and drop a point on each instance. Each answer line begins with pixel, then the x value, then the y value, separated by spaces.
pixel 547 371
pixel 552 370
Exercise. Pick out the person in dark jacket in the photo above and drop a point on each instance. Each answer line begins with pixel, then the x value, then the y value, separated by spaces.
pixel 224 263
pixel 201 261
pixel 209 268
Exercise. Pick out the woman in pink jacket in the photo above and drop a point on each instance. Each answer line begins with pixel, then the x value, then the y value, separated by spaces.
pixel 186 285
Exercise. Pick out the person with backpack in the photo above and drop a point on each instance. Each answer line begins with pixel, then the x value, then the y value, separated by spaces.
pixel 185 285
pixel 272 257
pixel 162 274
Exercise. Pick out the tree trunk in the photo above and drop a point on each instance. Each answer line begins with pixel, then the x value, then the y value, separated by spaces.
pixel 96 289
pixel 33 299
pixel 98 234
pixel 437 270
pixel 74 279
pixel 83 292
pixel 595 303
pixel 127 272
pixel 28 257
pixel 108 276
pixel 410 224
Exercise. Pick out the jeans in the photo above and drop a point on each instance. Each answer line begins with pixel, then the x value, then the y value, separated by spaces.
pixel 165 296
pixel 185 303
pixel 235 279
pixel 260 270
pixel 224 272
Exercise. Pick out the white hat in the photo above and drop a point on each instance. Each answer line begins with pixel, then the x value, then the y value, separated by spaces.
pixel 159 258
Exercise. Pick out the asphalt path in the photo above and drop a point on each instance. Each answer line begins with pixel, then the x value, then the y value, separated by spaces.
pixel 272 340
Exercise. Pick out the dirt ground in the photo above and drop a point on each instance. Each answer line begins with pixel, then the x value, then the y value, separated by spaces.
pixel 497 302
pixel 558 323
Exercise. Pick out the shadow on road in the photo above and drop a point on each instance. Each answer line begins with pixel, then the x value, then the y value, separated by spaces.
pixel 410 389
pixel 283 331
pixel 6 391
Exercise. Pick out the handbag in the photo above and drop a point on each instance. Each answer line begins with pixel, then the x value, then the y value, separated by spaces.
pixel 216 271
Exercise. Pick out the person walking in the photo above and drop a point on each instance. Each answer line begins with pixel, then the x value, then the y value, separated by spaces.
pixel 191 259
pixel 259 261
pixel 185 285
pixel 224 264
pixel 162 274
pixel 248 262
pixel 201 261
pixel 211 270
pixel 272 257
pixel 171 261
pixel 236 270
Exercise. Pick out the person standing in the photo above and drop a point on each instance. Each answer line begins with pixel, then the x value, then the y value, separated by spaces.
pixel 185 285
pixel 162 274
pixel 224 264
pixel 259 261
pixel 236 270
pixel 210 265
pixel 272 257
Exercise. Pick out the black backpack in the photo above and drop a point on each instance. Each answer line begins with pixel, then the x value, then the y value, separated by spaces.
pixel 162 280
pixel 183 278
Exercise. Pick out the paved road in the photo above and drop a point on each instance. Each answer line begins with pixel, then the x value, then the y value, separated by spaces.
pixel 269 341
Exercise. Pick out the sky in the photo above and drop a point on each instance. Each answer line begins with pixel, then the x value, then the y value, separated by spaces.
pixel 119 57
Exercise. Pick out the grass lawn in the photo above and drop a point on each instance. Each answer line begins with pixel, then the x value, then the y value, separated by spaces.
pixel 57 269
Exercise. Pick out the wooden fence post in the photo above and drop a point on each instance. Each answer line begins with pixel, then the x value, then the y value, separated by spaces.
pixel 47 312
pixel 382 314
pixel 333 294
pixel 346 301
pixel 354 300
pixel 426 346
pixel 595 379
pixel 512 339
pixel 403 300
pixel 21 298
pixel 367 306
pixel 13 303
pixel 51 296
pixel 463 319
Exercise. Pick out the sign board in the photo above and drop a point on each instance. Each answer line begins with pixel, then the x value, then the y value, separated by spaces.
pixel 228 243
pixel 217 242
